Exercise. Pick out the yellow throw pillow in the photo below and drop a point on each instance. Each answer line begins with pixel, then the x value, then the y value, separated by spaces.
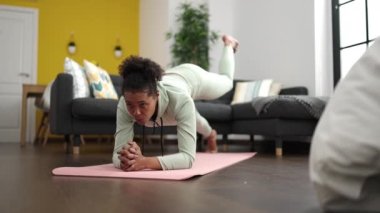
pixel 99 81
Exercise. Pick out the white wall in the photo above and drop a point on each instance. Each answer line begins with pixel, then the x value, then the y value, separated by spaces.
pixel 323 48
pixel 154 22
pixel 277 38
pixel 157 17
pixel 222 20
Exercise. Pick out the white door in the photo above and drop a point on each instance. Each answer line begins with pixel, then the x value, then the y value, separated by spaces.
pixel 18 65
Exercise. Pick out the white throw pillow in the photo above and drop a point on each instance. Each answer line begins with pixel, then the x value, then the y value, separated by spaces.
pixel 275 89
pixel 81 86
pixel 345 147
pixel 46 97
pixel 100 81
pixel 246 91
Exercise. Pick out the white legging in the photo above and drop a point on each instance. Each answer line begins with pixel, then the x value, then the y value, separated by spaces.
pixel 205 85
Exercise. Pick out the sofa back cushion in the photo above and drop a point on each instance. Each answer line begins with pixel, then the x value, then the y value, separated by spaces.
pixel 81 87
pixel 117 82
pixel 301 90
pixel 245 91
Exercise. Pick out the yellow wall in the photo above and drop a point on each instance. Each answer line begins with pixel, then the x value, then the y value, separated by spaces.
pixel 96 25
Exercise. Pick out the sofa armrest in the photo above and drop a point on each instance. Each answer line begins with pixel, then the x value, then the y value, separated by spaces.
pixel 61 97
pixel 294 91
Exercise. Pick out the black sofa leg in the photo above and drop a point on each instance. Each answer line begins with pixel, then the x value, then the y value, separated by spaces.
pixel 77 142
pixel 252 139
pixel 278 147
pixel 225 142
pixel 66 145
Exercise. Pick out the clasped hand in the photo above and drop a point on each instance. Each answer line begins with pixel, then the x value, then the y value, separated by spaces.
pixel 131 158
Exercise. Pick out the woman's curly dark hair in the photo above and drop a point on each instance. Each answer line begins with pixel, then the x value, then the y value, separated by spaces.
pixel 140 74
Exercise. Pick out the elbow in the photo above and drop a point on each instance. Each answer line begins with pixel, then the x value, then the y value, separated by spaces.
pixel 116 161
pixel 191 160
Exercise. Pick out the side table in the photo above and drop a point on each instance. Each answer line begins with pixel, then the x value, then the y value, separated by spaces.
pixel 28 91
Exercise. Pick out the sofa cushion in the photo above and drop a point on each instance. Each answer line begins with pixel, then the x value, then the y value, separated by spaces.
pixel 214 111
pixel 243 111
pixel 289 107
pixel 91 108
pixel 286 107
pixel 117 83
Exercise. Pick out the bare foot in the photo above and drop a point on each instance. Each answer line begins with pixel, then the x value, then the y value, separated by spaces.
pixel 212 145
pixel 231 41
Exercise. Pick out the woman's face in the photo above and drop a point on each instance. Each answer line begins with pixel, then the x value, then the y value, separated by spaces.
pixel 140 105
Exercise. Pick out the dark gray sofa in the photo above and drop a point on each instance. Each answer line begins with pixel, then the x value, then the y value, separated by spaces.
pixel 75 117
pixel 290 116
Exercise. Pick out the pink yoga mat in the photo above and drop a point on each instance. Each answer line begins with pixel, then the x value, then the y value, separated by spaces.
pixel 204 164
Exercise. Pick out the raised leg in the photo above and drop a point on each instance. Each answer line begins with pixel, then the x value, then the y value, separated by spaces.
pixel 231 41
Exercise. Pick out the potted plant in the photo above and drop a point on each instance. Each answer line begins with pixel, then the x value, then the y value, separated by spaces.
pixel 191 43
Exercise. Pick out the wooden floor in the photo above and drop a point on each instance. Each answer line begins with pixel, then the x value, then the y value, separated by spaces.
pixel 263 183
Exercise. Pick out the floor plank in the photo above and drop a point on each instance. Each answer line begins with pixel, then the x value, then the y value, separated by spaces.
pixel 261 184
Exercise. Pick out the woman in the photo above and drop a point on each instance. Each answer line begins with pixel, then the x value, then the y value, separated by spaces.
pixel 152 97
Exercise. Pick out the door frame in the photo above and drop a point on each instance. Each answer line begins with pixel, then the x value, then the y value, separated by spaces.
pixel 34 13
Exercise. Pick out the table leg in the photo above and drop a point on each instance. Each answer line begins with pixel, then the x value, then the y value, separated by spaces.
pixel 23 118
